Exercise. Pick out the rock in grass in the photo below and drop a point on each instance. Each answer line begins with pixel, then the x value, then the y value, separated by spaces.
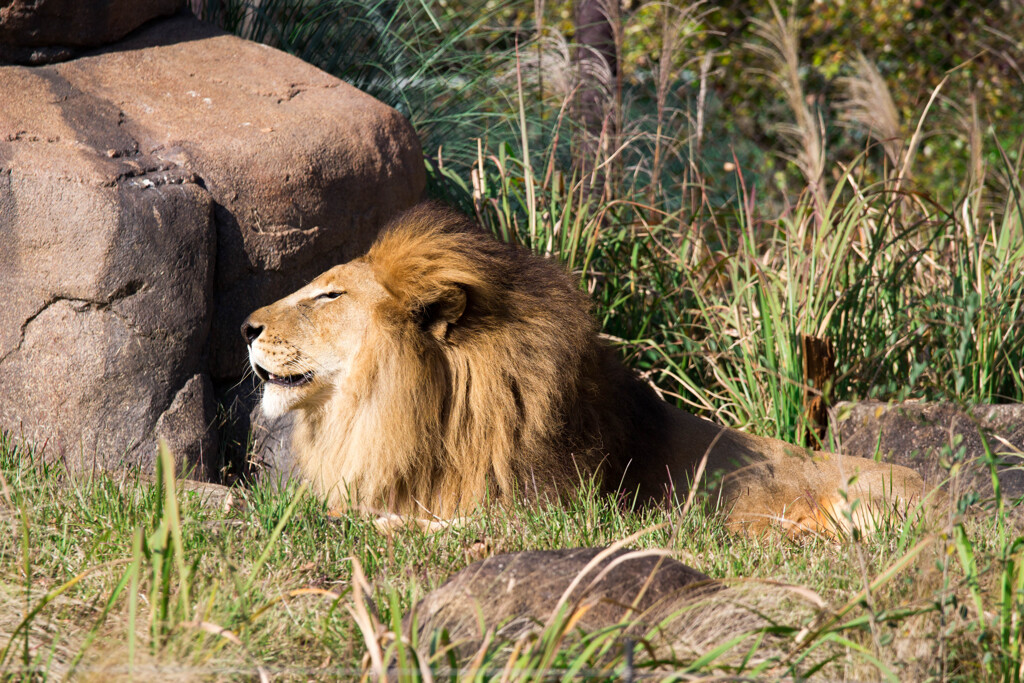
pixel 518 591
pixel 675 611
pixel 152 194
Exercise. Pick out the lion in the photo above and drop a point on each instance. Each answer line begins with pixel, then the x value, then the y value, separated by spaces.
pixel 445 368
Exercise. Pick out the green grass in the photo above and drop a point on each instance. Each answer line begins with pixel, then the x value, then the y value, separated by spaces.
pixel 131 575
pixel 921 301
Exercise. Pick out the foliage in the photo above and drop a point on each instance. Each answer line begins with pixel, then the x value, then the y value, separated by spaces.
pixel 921 302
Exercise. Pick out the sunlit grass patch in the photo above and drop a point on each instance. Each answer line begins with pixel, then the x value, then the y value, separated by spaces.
pixel 123 573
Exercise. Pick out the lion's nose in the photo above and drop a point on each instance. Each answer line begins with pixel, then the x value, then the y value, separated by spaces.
pixel 251 332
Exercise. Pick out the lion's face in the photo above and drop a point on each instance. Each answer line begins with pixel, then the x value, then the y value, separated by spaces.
pixel 302 347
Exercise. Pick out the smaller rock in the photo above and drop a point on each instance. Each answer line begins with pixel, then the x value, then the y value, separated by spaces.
pixel 213 497
pixel 518 592
pixel 34 56
pixel 272 447
pixel 679 613
pixel 932 437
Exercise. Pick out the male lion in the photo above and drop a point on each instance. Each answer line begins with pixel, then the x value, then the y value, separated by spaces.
pixel 444 367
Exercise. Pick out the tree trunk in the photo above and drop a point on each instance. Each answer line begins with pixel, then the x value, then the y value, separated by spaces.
pixel 598 73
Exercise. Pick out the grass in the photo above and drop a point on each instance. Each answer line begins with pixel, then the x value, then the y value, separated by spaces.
pixel 921 301
pixel 132 576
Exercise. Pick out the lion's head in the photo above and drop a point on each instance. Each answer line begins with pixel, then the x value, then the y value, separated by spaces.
pixel 440 368
pixel 304 346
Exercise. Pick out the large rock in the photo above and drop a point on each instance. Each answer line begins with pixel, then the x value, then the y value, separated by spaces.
pixel 37 31
pixel 938 440
pixel 151 196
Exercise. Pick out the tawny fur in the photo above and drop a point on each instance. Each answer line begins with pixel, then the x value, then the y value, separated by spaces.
pixel 464 370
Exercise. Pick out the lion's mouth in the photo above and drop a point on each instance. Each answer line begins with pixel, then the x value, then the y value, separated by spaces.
pixel 288 381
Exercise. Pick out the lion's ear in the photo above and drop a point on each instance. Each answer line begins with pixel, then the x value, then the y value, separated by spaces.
pixel 443 311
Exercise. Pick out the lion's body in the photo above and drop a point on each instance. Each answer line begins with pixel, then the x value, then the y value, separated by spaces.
pixel 455 369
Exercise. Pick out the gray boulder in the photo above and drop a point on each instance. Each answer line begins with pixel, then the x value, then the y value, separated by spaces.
pixel 151 196
pixel 938 440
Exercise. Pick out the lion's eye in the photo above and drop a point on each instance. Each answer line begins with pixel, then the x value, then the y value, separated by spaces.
pixel 327 296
